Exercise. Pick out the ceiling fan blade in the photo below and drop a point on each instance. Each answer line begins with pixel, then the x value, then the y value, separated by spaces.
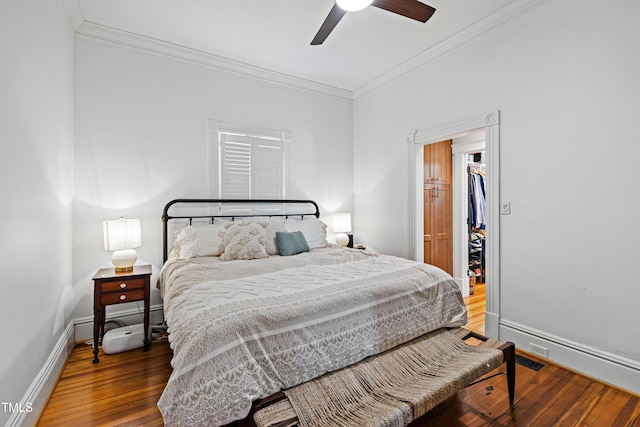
pixel 335 15
pixel 410 8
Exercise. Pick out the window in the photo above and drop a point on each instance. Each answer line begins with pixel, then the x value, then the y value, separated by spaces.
pixel 247 163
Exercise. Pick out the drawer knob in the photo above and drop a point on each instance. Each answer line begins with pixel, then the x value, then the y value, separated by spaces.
pixel 123 297
pixel 123 285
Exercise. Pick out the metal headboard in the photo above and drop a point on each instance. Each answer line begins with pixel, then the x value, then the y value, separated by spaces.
pixel 309 208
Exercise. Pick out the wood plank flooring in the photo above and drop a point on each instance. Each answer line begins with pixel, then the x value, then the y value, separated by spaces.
pixel 122 390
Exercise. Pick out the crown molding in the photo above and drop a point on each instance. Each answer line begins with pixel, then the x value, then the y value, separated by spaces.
pixel 450 44
pixel 73 13
pixel 148 44
pixel 104 33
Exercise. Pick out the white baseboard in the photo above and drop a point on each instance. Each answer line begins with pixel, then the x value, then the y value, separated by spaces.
pixel 84 325
pixel 607 367
pixel 42 386
pixel 463 284
pixel 492 325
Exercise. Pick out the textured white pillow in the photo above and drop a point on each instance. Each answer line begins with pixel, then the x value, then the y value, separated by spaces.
pixel 244 240
pixel 271 227
pixel 206 240
pixel 314 230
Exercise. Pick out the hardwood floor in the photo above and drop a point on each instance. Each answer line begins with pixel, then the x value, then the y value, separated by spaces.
pixel 552 396
pixel 122 390
pixel 476 305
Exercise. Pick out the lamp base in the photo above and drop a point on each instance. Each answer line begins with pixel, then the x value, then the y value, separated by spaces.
pixel 342 239
pixel 123 260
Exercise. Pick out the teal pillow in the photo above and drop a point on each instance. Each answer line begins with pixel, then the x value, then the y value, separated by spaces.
pixel 291 243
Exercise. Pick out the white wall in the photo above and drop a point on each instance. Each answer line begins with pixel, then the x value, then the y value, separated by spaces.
pixel 565 77
pixel 36 165
pixel 141 135
pixel 565 82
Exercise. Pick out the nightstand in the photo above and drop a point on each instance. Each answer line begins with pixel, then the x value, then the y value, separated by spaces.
pixel 110 288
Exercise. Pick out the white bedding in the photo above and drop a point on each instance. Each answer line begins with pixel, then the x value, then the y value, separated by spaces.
pixel 243 330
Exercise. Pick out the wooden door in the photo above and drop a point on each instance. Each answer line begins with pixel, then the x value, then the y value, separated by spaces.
pixel 438 206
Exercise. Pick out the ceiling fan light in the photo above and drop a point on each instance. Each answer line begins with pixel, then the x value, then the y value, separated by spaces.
pixel 353 5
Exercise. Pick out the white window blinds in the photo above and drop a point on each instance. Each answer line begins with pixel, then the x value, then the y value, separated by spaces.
pixel 269 169
pixel 248 163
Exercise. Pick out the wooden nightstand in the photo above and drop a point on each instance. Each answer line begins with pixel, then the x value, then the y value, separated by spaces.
pixel 109 288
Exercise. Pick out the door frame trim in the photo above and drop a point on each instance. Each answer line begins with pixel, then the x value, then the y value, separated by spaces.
pixel 416 140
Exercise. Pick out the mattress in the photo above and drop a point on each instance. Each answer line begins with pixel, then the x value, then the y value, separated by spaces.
pixel 244 330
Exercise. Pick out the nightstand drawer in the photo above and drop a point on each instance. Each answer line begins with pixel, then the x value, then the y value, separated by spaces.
pixel 120 297
pixel 123 285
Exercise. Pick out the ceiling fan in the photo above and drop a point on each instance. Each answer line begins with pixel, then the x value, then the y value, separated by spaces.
pixel 410 8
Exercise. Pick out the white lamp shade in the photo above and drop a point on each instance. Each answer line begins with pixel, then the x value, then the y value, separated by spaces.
pixel 122 234
pixel 353 5
pixel 342 222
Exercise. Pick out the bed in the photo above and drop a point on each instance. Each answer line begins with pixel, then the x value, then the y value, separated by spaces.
pixel 256 302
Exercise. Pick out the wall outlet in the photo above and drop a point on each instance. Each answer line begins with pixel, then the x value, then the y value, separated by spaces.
pixel 539 350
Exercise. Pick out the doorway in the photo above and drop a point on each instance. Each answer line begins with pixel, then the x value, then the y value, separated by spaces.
pixel 469 252
pixel 489 124
pixel 454 205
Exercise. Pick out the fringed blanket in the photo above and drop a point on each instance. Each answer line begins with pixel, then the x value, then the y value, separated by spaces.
pixel 388 390
pixel 283 322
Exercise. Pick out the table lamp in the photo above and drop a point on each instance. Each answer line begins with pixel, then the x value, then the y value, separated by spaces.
pixel 121 236
pixel 342 226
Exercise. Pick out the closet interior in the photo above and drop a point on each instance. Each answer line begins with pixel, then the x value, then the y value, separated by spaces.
pixel 476 218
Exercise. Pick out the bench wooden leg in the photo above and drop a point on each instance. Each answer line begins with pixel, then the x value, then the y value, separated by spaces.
pixel 509 357
pixel 509 351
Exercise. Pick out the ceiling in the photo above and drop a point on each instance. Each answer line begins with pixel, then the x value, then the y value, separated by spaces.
pixel 275 35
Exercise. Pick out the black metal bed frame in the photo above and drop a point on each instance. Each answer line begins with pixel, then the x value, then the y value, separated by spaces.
pixel 166 217
pixel 507 348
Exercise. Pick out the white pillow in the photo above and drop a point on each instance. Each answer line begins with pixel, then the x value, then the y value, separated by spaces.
pixel 244 240
pixel 271 226
pixel 206 240
pixel 314 230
